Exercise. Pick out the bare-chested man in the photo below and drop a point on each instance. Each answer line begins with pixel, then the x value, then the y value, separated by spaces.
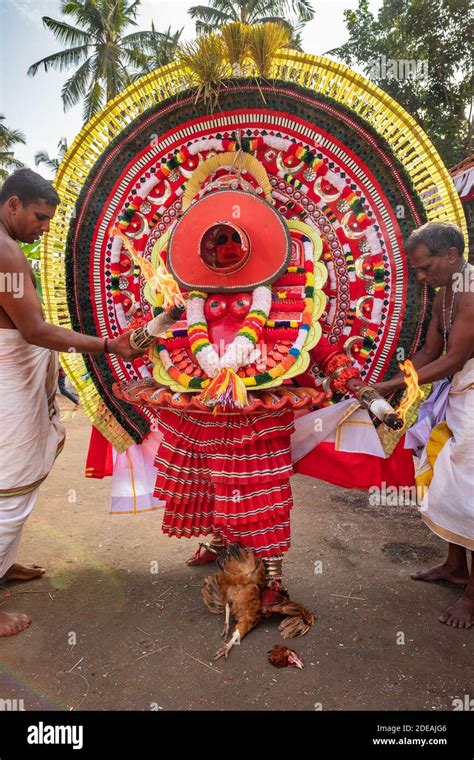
pixel 436 253
pixel 30 432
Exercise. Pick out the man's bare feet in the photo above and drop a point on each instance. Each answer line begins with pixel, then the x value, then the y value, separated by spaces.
pixel 24 572
pixel 444 572
pixel 12 623
pixel 460 614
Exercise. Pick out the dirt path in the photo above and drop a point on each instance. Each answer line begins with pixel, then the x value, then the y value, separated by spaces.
pixel 110 634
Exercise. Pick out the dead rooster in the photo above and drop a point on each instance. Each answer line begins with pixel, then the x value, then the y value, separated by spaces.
pixel 240 590
pixel 283 657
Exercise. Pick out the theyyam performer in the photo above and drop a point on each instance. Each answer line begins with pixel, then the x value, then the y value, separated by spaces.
pixel 278 223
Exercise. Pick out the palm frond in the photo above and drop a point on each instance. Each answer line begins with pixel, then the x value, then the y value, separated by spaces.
pixel 208 19
pixel 304 9
pixel 9 162
pixel 293 28
pixel 121 14
pixel 77 86
pixel 143 38
pixel 65 33
pixel 9 137
pixel 94 101
pixel 60 60
pixel 62 147
pixel 42 157
pixel 134 57
pixel 87 12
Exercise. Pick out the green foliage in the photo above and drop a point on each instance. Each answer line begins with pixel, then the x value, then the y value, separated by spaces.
pixel 8 139
pixel 106 59
pixel 219 12
pixel 438 35
pixel 32 252
pixel 42 157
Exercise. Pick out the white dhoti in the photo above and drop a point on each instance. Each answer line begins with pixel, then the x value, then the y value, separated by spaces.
pixel 448 505
pixel 31 434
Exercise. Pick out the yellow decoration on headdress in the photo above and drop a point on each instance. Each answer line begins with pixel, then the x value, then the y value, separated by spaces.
pixel 239 162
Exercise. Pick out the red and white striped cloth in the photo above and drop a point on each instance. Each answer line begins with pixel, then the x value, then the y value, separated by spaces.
pixel 227 474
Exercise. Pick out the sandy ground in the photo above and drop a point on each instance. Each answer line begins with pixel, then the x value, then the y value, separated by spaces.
pixel 109 634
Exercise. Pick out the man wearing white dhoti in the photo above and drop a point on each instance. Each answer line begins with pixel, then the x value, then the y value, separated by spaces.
pixel 31 435
pixel 446 464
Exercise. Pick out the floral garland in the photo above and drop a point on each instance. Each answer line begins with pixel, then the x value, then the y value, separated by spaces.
pixel 242 349
pixel 198 335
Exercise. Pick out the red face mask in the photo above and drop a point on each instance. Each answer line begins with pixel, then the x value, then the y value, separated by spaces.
pixel 228 249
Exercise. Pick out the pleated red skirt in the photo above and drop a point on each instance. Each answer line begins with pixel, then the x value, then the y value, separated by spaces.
pixel 227 475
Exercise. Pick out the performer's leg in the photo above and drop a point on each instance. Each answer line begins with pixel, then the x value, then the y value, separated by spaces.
pixel 276 588
pixel 274 569
pixel 14 512
pixel 461 613
pixel 453 569
pixel 208 551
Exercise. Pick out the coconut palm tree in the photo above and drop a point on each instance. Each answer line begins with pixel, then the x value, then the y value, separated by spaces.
pixel 219 12
pixel 106 59
pixel 42 157
pixel 157 48
pixel 8 139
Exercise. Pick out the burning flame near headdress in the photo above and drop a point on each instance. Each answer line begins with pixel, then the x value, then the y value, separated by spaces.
pixel 413 391
pixel 158 279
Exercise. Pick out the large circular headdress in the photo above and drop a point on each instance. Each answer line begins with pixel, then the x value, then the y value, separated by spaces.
pixel 208 228
pixel 339 155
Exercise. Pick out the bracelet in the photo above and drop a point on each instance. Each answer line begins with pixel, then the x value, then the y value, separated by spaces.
pixel 335 362
pixel 106 346
pixel 340 377
pixel 336 372
pixel 140 339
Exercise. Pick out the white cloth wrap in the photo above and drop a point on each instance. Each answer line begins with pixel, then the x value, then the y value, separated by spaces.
pixel 448 506
pixel 30 433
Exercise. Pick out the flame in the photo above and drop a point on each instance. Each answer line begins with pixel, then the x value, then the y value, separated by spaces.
pixel 413 390
pixel 159 279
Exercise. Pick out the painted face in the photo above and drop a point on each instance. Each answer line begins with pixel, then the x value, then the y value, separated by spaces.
pixel 222 248
pixel 32 221
pixel 431 270
pixel 228 248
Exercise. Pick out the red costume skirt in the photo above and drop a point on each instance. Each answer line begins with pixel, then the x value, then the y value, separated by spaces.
pixel 227 474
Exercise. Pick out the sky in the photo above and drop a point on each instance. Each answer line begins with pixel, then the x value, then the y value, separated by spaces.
pixel 33 104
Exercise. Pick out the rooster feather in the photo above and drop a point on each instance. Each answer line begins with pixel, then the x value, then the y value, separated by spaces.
pixel 240 590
